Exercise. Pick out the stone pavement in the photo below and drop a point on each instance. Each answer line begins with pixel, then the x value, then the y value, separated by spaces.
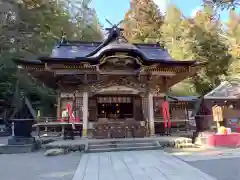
pixel 214 154
pixel 221 163
pixel 136 165
pixel 35 166
pixel 221 169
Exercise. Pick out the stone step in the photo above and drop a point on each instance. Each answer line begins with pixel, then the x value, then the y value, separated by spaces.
pixel 120 141
pixel 114 145
pixel 17 149
pixel 123 149
pixel 5 133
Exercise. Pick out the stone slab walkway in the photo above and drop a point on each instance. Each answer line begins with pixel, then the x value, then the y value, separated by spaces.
pixel 214 154
pixel 136 165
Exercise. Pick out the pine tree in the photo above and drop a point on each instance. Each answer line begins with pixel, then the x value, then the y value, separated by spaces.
pixel 143 21
pixel 177 34
pixel 223 4
pixel 233 39
pixel 209 48
pixel 32 28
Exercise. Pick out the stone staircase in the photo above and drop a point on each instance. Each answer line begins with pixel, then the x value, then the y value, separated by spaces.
pixel 117 145
pixel 108 145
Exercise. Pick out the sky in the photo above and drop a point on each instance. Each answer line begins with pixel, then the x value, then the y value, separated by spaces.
pixel 114 10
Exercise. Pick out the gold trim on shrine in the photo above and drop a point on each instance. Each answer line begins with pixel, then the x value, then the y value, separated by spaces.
pixel 114 99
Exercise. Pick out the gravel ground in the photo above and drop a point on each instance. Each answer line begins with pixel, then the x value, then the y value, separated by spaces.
pixel 35 166
pixel 221 169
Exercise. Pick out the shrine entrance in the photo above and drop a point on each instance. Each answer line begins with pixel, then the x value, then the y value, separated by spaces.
pixel 119 113
pixel 119 116
pixel 115 107
pixel 117 103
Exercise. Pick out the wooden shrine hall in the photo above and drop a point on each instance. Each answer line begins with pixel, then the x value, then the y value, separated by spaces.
pixel 111 85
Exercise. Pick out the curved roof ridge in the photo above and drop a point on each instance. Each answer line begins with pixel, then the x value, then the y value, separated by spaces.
pixel 114 34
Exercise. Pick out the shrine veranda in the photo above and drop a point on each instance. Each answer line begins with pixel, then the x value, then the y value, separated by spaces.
pixel 113 84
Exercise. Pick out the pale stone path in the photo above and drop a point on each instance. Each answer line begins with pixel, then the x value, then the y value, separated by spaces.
pixel 136 165
pixel 209 155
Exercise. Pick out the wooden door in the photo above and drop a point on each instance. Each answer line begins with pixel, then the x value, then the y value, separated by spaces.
pixel 137 108
pixel 92 109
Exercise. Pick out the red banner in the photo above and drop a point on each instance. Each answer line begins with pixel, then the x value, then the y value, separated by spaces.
pixel 166 114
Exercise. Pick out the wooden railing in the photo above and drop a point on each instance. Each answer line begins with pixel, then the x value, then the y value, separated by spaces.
pixel 47 119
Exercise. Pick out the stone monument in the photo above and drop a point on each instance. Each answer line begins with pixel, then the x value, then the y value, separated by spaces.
pixel 21 140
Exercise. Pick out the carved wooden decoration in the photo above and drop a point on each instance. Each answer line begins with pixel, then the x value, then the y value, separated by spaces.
pixel 130 82
pixel 119 63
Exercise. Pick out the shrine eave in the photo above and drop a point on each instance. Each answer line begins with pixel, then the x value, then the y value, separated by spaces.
pixel 21 61
pixel 148 56
pixel 95 61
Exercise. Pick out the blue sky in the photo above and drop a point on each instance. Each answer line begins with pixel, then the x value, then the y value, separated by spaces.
pixel 114 10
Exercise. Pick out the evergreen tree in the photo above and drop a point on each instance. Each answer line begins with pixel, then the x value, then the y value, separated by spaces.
pixel 143 21
pixel 177 34
pixel 209 47
pixel 223 4
pixel 197 39
pixel 233 39
pixel 32 28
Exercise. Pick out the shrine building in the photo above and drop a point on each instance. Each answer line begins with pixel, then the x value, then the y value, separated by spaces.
pixel 111 82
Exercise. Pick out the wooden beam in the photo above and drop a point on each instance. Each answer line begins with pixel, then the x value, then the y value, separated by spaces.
pixel 118 72
pixel 72 72
pixel 181 76
pixel 161 73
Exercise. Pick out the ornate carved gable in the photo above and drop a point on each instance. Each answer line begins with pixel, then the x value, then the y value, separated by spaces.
pixel 119 62
pixel 126 81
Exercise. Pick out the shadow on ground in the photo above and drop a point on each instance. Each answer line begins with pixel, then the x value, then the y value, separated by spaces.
pixel 221 169
pixel 35 166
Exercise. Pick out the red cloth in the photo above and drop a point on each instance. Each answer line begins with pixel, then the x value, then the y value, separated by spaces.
pixel 70 113
pixel 238 129
pixel 166 114
pixel 72 119
pixel 232 139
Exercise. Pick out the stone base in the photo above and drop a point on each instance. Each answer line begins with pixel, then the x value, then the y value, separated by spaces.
pixel 5 133
pixel 21 140
pixel 201 138
pixel 18 145
pixel 68 134
pixel 16 149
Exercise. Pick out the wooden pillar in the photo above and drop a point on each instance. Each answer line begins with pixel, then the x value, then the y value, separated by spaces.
pixel 59 106
pixel 145 111
pixel 85 114
pixel 151 115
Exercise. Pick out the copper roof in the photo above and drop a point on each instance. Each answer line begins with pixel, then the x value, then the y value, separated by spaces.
pixel 226 90
pixel 115 42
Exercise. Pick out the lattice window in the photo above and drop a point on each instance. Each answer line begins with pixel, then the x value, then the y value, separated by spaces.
pixel 157 105
pixel 79 102
pixel 145 107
